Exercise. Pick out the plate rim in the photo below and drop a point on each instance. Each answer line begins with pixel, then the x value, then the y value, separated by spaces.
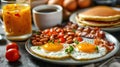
pixel 72 19
pixel 112 53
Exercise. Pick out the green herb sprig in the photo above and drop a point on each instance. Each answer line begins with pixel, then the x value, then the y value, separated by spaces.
pixel 76 42
pixel 69 49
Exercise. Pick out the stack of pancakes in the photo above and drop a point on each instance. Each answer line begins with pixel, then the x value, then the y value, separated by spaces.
pixel 99 16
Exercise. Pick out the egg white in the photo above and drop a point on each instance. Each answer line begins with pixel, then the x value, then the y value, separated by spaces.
pixel 50 54
pixel 79 55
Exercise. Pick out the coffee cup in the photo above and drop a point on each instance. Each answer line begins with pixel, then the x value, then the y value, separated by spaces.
pixel 46 16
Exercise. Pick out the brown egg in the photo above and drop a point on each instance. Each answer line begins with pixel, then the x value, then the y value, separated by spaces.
pixel 84 3
pixel 58 2
pixel 70 5
pixel 66 14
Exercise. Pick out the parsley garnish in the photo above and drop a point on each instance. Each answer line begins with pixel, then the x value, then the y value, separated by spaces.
pixel 37 32
pixel 51 41
pixel 69 49
pixel 73 30
pixel 97 48
pixel 76 42
pixel 58 41
pixel 38 48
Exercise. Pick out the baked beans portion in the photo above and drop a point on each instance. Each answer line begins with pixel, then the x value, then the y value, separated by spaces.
pixel 66 34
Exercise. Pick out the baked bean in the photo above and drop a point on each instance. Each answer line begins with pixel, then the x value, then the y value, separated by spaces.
pixel 37 39
pixel 46 36
pixel 33 41
pixel 52 30
pixel 71 33
pixel 78 33
pixel 32 38
pixel 69 41
pixel 84 34
pixel 52 37
pixel 74 26
pixel 42 36
pixel 37 36
pixel 64 29
pixel 90 36
pixel 58 30
pixel 75 38
pixel 69 30
pixel 66 36
pixel 55 28
pixel 80 29
pixel 69 23
pixel 45 31
pixel 87 30
pixel 69 37
pixel 100 34
pixel 33 35
pixel 45 42
pixel 92 32
pixel 44 39
pixel 39 43
pixel 75 35
pixel 35 44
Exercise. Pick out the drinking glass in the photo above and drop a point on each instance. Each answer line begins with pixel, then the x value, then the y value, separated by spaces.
pixel 17 21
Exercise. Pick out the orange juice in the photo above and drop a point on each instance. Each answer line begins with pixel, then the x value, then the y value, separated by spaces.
pixel 17 20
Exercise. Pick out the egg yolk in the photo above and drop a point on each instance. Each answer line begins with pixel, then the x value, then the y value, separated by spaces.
pixel 52 47
pixel 86 47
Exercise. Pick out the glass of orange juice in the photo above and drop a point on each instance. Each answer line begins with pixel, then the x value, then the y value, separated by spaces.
pixel 17 21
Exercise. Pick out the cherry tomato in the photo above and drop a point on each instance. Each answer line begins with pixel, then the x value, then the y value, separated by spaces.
pixel 11 45
pixel 49 33
pixel 54 33
pixel 79 39
pixel 62 40
pixel 12 55
pixel 60 35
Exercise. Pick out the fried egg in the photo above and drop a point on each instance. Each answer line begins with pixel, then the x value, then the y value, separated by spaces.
pixel 85 51
pixel 51 50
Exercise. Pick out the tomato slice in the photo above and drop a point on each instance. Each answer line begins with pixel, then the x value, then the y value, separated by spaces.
pixel 12 55
pixel 12 45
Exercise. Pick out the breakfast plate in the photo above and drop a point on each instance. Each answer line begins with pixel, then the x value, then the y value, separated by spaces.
pixel 110 29
pixel 70 61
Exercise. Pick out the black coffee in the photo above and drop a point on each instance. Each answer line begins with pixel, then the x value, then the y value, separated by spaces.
pixel 47 10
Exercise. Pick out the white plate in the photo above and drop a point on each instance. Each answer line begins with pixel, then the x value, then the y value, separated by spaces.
pixel 74 62
pixel 72 18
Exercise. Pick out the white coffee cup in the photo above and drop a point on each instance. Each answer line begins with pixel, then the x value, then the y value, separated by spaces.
pixel 46 16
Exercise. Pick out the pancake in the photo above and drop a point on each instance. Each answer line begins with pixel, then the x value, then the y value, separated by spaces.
pixel 100 13
pixel 98 23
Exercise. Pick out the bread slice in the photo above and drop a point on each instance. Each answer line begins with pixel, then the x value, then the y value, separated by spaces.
pixel 100 13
